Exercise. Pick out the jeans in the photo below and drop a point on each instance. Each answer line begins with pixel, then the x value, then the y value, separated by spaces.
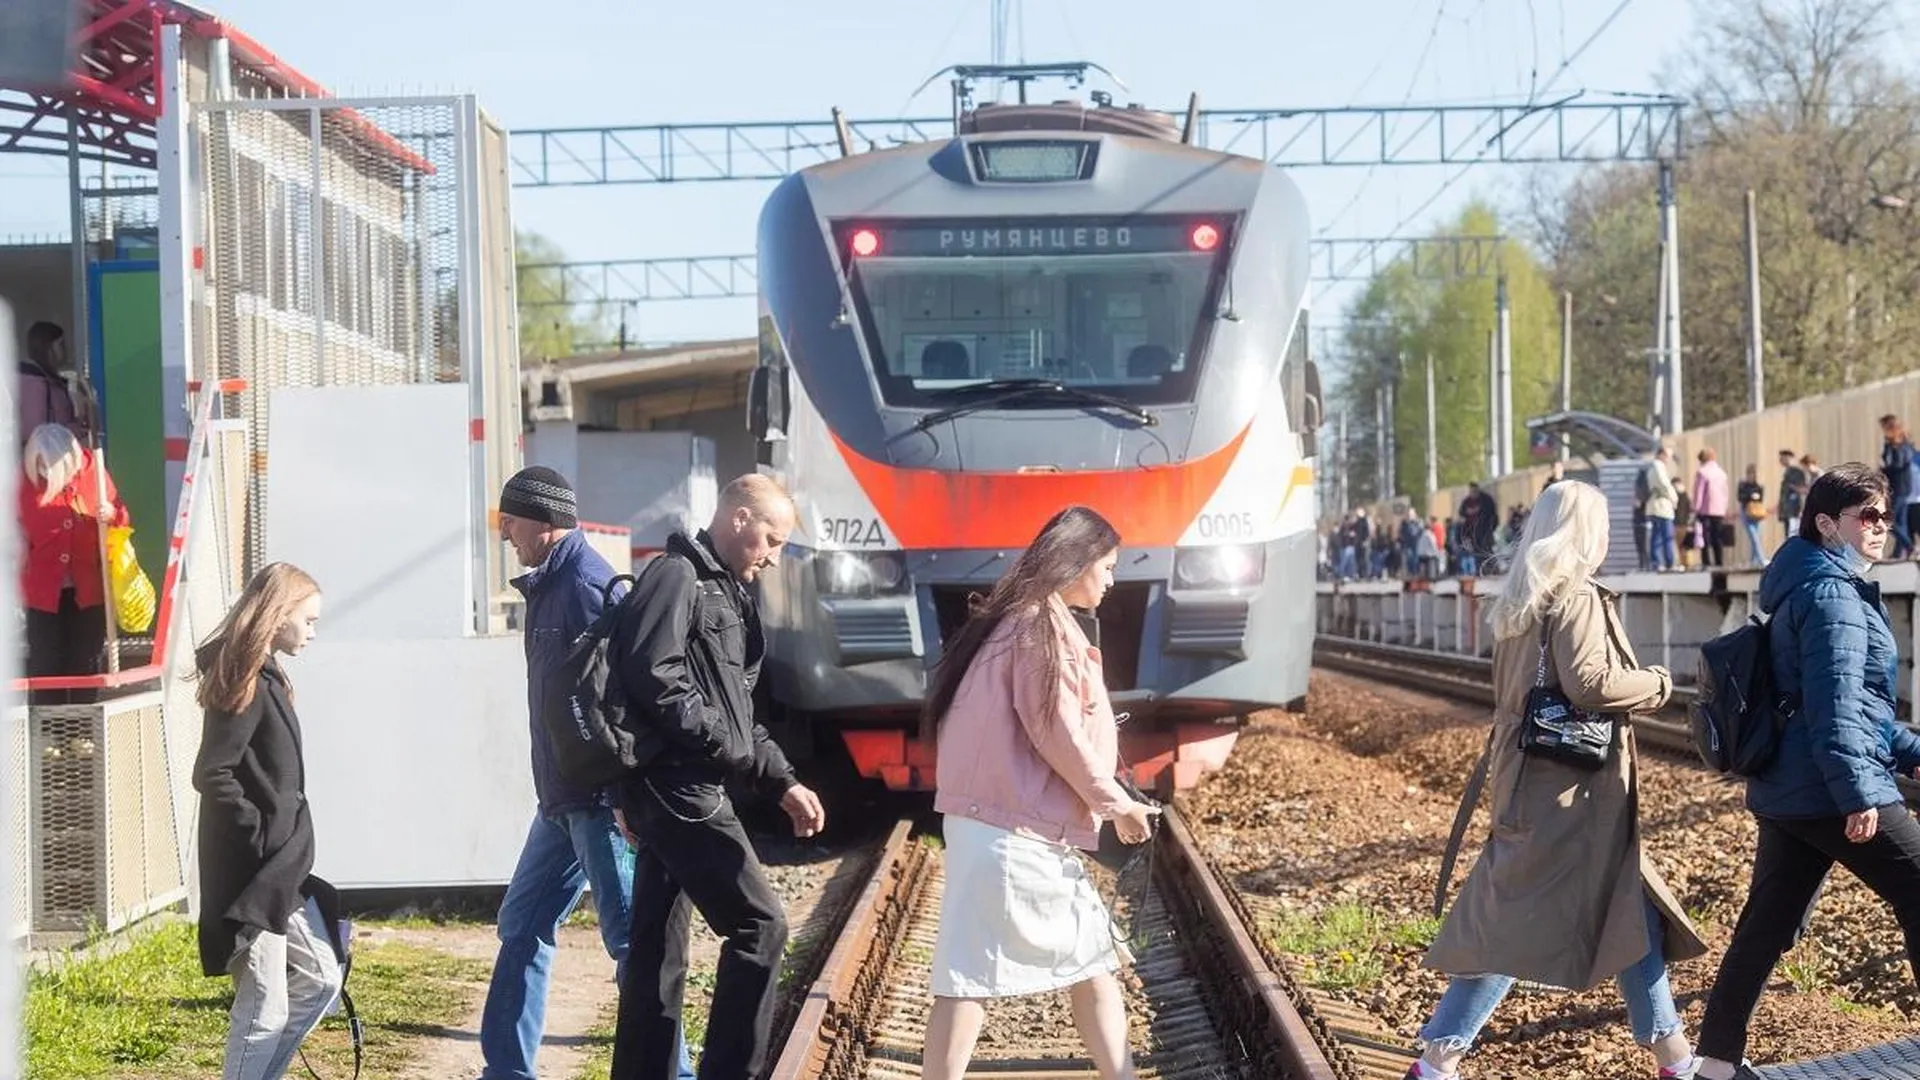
pixel 1791 864
pixel 282 985
pixel 1660 553
pixel 1471 999
pixel 1753 542
pixel 563 854
pixel 694 855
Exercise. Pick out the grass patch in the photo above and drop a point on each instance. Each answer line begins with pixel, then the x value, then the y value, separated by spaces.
pixel 1346 947
pixel 599 1038
pixel 146 1011
pixel 1807 967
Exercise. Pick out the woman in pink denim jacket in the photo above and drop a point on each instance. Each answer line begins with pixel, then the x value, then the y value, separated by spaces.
pixel 1028 749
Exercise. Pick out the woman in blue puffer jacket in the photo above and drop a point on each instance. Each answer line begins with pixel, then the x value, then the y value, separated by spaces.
pixel 1830 794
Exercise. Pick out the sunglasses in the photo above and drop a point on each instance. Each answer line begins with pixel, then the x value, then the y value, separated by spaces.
pixel 1871 517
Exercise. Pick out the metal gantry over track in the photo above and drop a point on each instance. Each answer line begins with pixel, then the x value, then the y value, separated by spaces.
pixel 1578 128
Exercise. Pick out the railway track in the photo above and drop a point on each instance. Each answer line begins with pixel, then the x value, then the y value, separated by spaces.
pixel 1216 1004
pixel 1469 678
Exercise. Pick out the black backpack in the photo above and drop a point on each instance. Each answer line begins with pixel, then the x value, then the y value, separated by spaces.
pixel 1737 712
pixel 1643 485
pixel 584 710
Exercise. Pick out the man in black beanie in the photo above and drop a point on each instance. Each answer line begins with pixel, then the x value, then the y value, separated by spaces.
pixel 575 839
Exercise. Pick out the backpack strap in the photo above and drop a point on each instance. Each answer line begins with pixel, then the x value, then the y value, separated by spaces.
pixel 1462 816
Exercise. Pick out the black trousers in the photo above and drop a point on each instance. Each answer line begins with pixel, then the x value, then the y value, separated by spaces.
pixel 695 856
pixel 71 641
pixel 1714 553
pixel 1792 862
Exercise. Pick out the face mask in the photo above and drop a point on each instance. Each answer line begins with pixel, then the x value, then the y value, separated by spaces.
pixel 1848 555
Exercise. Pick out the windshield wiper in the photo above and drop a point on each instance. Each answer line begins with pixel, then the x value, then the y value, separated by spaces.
pixel 995 386
pixel 1007 391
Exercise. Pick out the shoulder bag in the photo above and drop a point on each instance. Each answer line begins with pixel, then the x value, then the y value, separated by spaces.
pixel 1554 728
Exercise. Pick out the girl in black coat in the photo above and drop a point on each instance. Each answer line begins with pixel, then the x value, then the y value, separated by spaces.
pixel 257 922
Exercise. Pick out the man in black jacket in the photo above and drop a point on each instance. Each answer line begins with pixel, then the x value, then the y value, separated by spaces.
pixel 689 651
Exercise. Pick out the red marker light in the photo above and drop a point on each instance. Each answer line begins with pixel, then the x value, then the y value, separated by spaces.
pixel 865 242
pixel 1205 237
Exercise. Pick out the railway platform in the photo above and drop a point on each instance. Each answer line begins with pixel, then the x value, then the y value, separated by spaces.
pixel 1667 616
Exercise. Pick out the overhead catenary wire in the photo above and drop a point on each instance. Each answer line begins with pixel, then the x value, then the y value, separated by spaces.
pixel 1419 65
pixel 1494 139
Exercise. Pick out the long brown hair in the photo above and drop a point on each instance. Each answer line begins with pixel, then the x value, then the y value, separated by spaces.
pixel 229 662
pixel 1072 541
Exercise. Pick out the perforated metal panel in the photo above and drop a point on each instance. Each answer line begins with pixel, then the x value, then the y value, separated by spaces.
pixel 1892 1061
pixel 105 837
pixel 18 820
pixel 69 826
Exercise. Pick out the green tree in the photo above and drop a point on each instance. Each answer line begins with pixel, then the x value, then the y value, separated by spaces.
pixel 1795 101
pixel 1403 317
pixel 550 327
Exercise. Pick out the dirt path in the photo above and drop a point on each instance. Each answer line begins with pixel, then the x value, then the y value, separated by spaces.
pixel 581 987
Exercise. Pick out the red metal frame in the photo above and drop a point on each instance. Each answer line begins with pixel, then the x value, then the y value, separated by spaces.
pixel 117 85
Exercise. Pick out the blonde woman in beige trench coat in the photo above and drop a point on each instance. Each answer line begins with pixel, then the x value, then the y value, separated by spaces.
pixel 1562 893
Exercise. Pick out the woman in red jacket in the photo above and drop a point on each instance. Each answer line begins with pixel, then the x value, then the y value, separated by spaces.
pixel 60 581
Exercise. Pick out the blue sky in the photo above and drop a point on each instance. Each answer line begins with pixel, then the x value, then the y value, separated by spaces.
pixel 588 62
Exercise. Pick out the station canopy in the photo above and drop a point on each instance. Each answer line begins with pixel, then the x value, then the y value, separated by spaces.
pixel 113 94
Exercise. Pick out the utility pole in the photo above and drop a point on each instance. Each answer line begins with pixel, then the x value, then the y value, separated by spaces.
pixel 1393 439
pixel 1493 408
pixel 1433 435
pixel 1345 465
pixel 1756 365
pixel 1674 417
pixel 1657 356
pixel 1503 331
pixel 1566 366
pixel 1380 442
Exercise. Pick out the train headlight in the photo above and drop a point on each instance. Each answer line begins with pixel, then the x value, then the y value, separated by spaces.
pixel 860 573
pixel 1229 566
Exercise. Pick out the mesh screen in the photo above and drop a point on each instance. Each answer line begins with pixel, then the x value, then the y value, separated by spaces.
pixel 19 816
pixel 334 254
pixel 123 215
pixel 125 831
pixel 69 836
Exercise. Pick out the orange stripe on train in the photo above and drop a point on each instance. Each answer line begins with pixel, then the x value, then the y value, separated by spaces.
pixel 934 508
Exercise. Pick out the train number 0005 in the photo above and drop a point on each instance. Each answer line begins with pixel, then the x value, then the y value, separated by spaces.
pixel 852 531
pixel 1227 526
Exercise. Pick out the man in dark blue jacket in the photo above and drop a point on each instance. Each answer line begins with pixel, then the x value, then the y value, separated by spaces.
pixel 575 840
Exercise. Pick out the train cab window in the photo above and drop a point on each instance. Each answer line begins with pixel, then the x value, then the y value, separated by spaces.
pixel 1128 323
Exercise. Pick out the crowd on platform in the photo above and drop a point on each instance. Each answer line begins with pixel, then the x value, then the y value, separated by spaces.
pixel 1680 522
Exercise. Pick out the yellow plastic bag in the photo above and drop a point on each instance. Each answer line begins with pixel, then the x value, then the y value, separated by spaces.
pixel 133 602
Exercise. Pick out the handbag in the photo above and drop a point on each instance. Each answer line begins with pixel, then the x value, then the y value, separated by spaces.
pixel 133 601
pixel 1113 853
pixel 1555 729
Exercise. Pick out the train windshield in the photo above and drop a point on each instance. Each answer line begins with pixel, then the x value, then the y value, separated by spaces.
pixel 1122 309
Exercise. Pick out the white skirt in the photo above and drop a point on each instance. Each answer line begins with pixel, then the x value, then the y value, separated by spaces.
pixel 1018 916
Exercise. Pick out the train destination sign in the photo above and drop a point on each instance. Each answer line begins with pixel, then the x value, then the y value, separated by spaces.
pixel 1052 237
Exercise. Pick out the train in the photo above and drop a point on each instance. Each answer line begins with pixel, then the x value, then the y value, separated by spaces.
pixel 1061 303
